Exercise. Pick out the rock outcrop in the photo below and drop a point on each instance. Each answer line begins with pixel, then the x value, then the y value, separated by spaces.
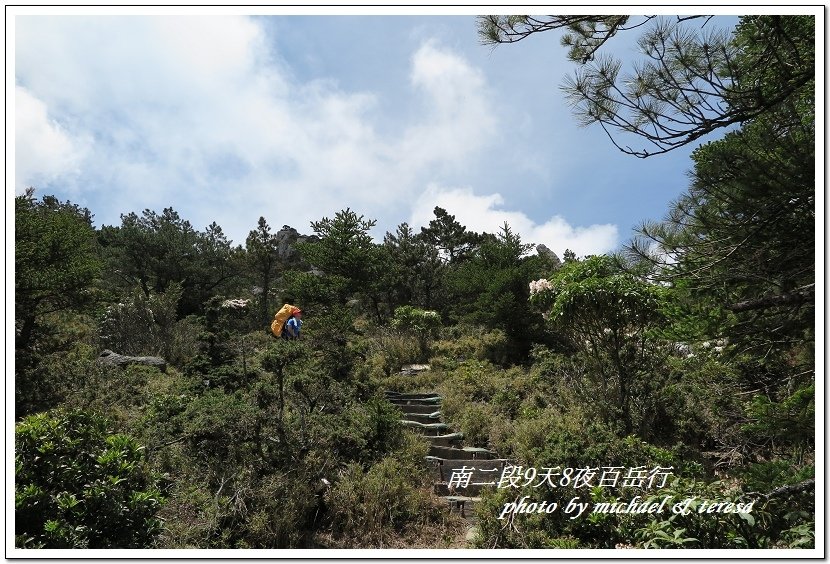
pixel 110 358
pixel 543 251
pixel 286 241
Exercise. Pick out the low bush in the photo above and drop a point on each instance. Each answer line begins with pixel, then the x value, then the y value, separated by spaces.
pixel 118 393
pixel 423 324
pixel 461 343
pixel 54 376
pixel 424 381
pixel 388 350
pixel 375 508
pixel 78 485
pixel 479 398
pixel 148 325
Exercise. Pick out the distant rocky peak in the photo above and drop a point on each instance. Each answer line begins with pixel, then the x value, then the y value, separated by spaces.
pixel 287 239
pixel 544 251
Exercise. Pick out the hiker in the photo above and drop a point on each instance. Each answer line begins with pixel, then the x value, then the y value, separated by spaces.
pixel 291 329
pixel 287 322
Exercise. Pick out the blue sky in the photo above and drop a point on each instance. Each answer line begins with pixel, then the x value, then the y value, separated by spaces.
pixel 229 118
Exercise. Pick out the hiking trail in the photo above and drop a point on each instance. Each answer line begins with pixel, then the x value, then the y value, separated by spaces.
pixel 461 471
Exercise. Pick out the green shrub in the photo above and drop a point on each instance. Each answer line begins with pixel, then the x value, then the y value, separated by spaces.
pixel 421 323
pixel 161 420
pixel 699 397
pixel 417 320
pixel 282 512
pixel 790 421
pixel 148 325
pixel 575 440
pixel 228 378
pixel 462 343
pixel 327 331
pixel 475 421
pixel 241 508
pixel 191 515
pixel 77 485
pixel 120 394
pixel 53 377
pixel 481 400
pixel 371 507
pixel 479 380
pixel 425 381
pixel 362 432
pixel 388 350
pixel 219 427
pixel 768 475
pixel 802 535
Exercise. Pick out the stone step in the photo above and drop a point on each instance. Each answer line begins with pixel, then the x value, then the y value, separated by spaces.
pixel 434 400
pixel 418 409
pixel 446 440
pixel 429 429
pixel 479 470
pixel 465 453
pixel 410 395
pixel 443 474
pixel 411 369
pixel 464 505
pixel 472 489
pixel 433 417
pixel 478 467
pixel 481 464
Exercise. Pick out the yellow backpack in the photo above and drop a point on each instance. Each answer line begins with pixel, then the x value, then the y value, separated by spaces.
pixel 281 317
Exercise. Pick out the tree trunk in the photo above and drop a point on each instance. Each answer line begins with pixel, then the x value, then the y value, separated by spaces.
pixel 376 305
pixel 804 295
pixel 282 402
pixel 23 340
pixel 266 281
pixel 622 374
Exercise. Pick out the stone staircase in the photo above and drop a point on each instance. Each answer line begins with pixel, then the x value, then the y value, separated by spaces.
pixel 461 472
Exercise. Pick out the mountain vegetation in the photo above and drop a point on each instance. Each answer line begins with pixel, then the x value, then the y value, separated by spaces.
pixel 692 349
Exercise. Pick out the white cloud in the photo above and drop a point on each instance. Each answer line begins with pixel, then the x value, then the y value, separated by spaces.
pixel 43 149
pixel 200 114
pixel 459 118
pixel 483 214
